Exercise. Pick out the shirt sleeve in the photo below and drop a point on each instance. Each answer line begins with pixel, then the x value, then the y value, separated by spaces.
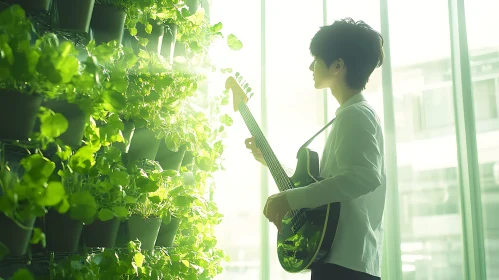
pixel 359 163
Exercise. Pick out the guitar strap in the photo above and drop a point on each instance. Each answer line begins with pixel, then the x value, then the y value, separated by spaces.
pixel 330 123
pixel 313 137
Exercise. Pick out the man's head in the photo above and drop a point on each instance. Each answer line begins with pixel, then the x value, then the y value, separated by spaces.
pixel 345 54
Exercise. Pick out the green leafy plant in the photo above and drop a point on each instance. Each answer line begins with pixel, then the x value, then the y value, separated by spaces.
pixel 108 181
pixel 31 195
pixel 41 68
pixel 116 84
pixel 133 9
pixel 144 182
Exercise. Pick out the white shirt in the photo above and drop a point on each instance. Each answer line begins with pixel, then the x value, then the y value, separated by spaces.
pixel 354 167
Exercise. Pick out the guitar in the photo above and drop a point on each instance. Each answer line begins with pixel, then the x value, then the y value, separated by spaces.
pixel 307 234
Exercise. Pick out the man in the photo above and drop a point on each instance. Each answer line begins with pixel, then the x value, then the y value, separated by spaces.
pixel 345 54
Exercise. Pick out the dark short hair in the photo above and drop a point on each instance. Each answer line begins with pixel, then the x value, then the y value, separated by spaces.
pixel 360 47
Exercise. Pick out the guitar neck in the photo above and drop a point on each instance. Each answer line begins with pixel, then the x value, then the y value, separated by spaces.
pixel 280 177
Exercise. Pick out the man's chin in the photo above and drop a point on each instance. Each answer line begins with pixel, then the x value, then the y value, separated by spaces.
pixel 317 85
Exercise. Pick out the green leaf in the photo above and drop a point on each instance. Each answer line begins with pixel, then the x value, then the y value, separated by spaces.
pixel 217 27
pixel 148 28
pixel 138 259
pixel 114 100
pixel 53 125
pixel 38 236
pixel 170 173
pixel 143 41
pixel 23 274
pixel 155 199
pixel 172 142
pixel 83 206
pixel 82 160
pixel 146 184
pixel 226 70
pixel 234 43
pixel 177 191
pixel 37 169
pixel 133 31
pixel 130 199
pixel 205 163
pixel 120 178
pixel 218 147
pixel 63 207
pixel 105 214
pixel 120 212
pixel 119 80
pixel 225 119
pixel 54 193
pixel 185 12
pixel 182 201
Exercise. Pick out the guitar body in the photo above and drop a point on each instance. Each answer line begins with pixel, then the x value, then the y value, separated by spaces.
pixel 305 241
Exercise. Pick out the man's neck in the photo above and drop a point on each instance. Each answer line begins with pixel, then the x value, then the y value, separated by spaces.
pixel 344 94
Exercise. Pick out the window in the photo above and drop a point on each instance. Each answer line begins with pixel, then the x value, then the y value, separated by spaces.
pixel 485 94
pixel 438 109
pixel 430 220
pixel 481 22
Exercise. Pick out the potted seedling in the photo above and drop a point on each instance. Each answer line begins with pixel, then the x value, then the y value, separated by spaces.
pixel 107 179
pixel 23 199
pixel 145 219
pixel 30 73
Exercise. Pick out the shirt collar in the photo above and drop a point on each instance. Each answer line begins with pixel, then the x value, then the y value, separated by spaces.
pixel 359 97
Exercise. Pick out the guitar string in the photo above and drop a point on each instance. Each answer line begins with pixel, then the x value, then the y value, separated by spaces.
pixel 284 181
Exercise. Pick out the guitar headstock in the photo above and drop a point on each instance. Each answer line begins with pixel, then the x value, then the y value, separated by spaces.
pixel 240 89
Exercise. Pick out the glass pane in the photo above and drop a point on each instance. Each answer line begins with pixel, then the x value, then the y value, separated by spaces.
pixel 237 193
pixel 483 44
pixel 430 219
pixel 294 108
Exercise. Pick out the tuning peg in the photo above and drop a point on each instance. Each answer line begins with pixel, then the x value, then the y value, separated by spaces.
pixel 248 90
pixel 239 79
pixel 251 94
pixel 237 74
pixel 245 85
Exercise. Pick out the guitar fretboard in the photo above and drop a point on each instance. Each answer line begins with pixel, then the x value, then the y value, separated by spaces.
pixel 280 177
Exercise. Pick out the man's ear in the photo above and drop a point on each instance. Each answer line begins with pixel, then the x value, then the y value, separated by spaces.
pixel 340 64
pixel 337 66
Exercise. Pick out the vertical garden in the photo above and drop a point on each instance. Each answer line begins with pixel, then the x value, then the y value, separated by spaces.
pixel 108 140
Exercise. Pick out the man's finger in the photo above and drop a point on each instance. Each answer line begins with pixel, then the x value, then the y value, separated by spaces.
pixel 265 208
